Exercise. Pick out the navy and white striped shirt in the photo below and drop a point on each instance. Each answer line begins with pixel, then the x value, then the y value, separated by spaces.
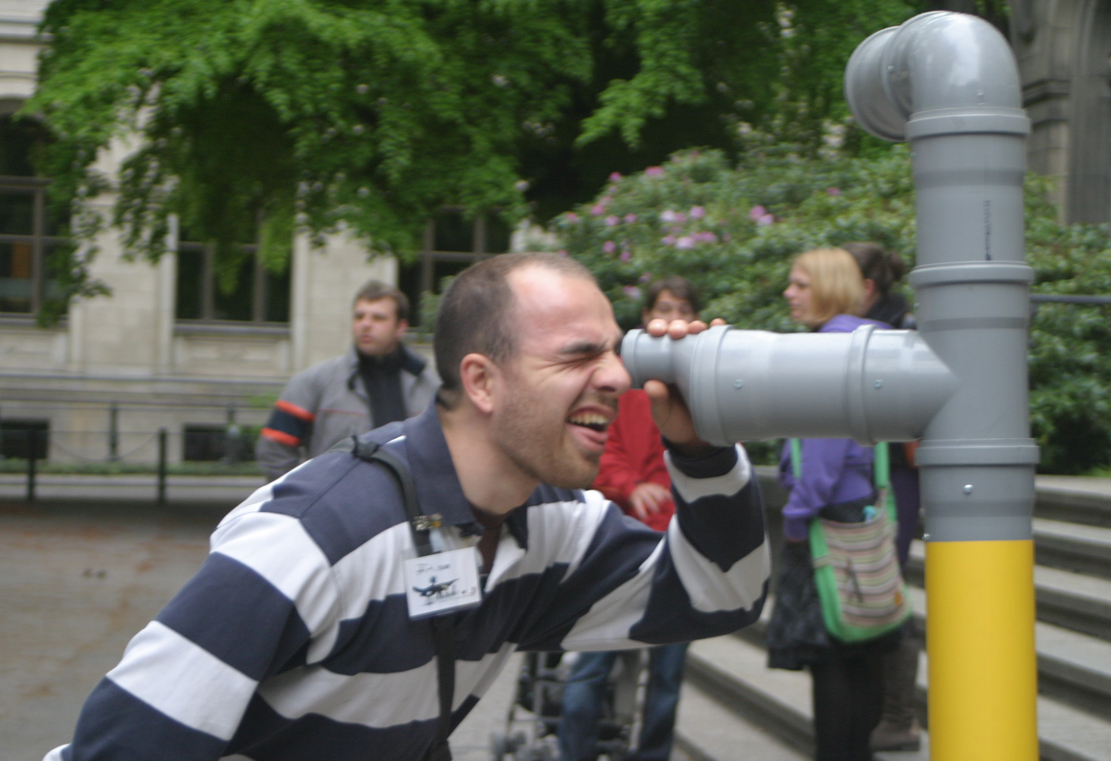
pixel 293 641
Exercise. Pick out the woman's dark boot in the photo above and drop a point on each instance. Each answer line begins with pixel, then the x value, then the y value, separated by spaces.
pixel 898 728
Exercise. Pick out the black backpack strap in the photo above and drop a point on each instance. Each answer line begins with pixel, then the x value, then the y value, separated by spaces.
pixel 443 627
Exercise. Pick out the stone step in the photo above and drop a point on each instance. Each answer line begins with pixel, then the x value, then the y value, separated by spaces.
pixel 733 671
pixel 706 730
pixel 1073 547
pixel 1073 499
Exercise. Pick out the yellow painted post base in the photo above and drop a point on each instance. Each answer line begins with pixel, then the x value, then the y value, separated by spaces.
pixel 983 667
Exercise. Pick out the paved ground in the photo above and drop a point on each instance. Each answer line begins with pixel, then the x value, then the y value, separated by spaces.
pixel 75 585
pixel 77 582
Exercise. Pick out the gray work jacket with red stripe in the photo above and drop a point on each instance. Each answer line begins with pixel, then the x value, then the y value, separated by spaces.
pixel 327 403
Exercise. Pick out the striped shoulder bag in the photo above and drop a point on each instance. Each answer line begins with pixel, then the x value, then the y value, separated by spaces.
pixel 856 568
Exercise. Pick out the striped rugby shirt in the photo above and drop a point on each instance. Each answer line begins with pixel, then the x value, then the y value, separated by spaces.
pixel 293 641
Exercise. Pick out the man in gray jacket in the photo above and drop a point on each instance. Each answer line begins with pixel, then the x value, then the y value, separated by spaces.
pixel 378 381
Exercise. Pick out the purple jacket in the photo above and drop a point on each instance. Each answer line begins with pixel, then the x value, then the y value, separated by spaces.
pixel 833 470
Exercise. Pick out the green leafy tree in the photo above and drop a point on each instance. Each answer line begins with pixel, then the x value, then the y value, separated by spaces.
pixel 732 231
pixel 250 118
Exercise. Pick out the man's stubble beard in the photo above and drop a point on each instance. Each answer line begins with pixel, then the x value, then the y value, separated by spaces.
pixel 539 449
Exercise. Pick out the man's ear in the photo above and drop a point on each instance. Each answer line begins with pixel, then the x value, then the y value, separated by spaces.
pixel 402 328
pixel 479 376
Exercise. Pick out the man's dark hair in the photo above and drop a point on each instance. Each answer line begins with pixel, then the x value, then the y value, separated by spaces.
pixel 680 288
pixel 882 268
pixel 373 290
pixel 475 315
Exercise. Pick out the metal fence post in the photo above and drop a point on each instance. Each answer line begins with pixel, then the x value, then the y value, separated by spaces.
pixel 114 432
pixel 161 466
pixel 32 455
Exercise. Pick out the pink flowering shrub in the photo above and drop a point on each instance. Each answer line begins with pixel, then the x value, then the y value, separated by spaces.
pixel 732 231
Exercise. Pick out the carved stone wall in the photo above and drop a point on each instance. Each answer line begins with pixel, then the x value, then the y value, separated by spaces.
pixel 1063 49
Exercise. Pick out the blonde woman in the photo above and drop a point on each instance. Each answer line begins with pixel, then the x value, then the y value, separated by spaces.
pixel 825 292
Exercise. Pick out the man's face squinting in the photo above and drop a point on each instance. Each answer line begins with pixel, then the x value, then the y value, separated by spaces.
pixel 560 389
pixel 375 327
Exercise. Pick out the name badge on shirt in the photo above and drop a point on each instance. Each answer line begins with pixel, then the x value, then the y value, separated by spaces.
pixel 442 583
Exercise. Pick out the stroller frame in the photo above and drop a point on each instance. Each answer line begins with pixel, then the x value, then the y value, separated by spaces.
pixel 532 722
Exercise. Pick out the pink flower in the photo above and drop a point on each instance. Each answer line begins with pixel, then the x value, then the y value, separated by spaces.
pixel 654 171
pixel 765 220
pixel 626 255
pixel 680 216
pixel 685 242
pixel 646 277
pixel 756 212
pixel 597 209
pixel 632 292
pixel 697 212
pixel 667 215
pixel 833 191
pixel 630 218
pixel 706 237
pixel 612 221
pixel 572 216
pixel 609 246
pixel 668 240
pixel 615 177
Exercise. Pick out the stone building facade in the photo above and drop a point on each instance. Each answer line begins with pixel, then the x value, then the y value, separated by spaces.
pixel 1063 49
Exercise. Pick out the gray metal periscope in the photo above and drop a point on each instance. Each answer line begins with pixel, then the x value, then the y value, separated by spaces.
pixel 947 83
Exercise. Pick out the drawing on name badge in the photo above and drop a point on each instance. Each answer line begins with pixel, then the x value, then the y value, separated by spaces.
pixel 436 589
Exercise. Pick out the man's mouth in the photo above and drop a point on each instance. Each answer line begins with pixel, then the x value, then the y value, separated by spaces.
pixel 592 420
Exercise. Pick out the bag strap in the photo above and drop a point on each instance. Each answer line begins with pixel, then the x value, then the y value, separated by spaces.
pixel 881 477
pixel 443 627
pixel 796 458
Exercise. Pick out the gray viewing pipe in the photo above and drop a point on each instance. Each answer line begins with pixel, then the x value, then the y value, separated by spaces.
pixel 947 83
pixel 870 385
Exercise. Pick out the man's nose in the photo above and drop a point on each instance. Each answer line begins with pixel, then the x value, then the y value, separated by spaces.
pixel 612 375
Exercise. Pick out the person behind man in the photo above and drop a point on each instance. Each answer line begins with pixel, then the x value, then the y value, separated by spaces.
pixel 378 381
pixel 295 639
pixel 634 475
pixel 898 728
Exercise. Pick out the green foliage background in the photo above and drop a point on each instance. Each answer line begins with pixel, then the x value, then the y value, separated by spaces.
pixel 697 215
pixel 252 118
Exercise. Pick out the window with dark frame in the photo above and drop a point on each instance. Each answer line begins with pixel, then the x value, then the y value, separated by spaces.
pixel 259 295
pixel 28 233
pixel 451 244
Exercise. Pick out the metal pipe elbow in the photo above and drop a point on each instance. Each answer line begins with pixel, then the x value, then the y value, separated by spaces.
pixel 957 66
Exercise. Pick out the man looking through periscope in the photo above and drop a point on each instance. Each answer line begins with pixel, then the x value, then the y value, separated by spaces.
pixel 378 381
pixel 633 474
pixel 296 640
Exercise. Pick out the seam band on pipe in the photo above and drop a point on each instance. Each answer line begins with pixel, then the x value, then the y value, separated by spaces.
pixel 970 272
pixel 932 455
pixel 926 125
pixel 974 323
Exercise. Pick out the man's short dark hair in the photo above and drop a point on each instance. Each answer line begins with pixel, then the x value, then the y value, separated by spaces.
pixel 680 288
pixel 475 315
pixel 373 290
